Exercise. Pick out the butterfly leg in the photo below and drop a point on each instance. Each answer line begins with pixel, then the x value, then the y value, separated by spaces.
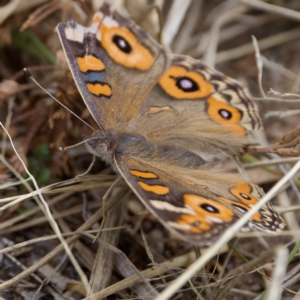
pixel 89 168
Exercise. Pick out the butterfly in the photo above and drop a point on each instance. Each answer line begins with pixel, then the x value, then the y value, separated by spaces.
pixel 165 122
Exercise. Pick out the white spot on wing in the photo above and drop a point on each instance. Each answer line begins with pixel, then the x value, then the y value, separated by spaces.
pixel 162 205
pixel 75 34
pixel 92 29
pixel 110 22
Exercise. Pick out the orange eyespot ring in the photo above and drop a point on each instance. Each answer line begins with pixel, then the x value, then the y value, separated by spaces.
pixel 243 206
pixel 180 83
pixel 123 47
pixel 206 211
pixel 243 192
pixel 225 114
pixel 208 207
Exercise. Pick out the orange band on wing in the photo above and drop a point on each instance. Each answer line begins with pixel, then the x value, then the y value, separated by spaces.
pixel 156 109
pixel 134 56
pixel 99 89
pixel 156 189
pixel 90 63
pixel 171 83
pixel 225 114
pixel 142 174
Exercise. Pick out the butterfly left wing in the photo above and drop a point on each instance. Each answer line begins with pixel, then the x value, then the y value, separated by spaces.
pixel 194 204
pixel 114 64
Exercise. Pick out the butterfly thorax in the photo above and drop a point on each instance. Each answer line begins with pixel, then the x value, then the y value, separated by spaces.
pixel 106 145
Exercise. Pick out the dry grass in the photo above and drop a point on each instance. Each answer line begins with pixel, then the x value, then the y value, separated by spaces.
pixel 52 213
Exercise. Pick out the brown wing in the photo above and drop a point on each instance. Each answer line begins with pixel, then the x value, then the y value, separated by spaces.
pixel 197 205
pixel 115 65
pixel 199 108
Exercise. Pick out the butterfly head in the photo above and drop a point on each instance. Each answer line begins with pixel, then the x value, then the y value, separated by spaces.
pixel 98 144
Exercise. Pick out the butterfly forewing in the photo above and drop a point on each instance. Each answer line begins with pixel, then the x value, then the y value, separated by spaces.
pixel 114 64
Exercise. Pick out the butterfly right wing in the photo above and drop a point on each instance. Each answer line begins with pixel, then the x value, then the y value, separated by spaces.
pixel 195 205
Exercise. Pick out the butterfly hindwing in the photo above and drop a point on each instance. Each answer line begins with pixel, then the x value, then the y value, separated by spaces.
pixel 192 208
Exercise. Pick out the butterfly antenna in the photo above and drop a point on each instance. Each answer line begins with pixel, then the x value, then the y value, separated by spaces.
pixel 28 74
pixel 73 146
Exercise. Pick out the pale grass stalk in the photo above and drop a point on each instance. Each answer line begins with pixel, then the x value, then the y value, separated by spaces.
pixel 265 43
pixel 282 114
pixel 279 69
pixel 41 201
pixel 265 163
pixel 289 208
pixel 284 95
pixel 277 100
pixel 11 184
pixel 226 17
pixel 53 236
pixel 11 102
pixel 30 212
pixel 275 288
pixel 88 182
pixel 175 18
pixel 16 6
pixel 228 234
pixel 292 221
pixel 254 234
pixel 19 198
pixel 104 199
pixel 259 64
pixel 164 267
pixel 271 8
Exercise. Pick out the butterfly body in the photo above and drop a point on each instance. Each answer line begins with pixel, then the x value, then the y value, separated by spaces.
pixel 166 121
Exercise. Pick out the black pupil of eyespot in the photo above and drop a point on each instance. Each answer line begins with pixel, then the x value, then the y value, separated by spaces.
pixel 187 84
pixel 225 114
pixel 245 196
pixel 121 43
pixel 209 208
